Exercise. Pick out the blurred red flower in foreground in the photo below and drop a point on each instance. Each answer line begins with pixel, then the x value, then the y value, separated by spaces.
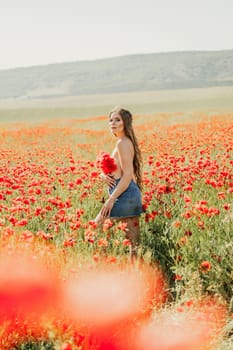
pixel 109 300
pixel 174 332
pixel 190 330
pixel 26 288
pixel 106 163
pixel 101 297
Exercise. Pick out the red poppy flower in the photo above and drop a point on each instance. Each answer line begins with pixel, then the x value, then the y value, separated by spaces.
pixel 205 266
pixel 106 163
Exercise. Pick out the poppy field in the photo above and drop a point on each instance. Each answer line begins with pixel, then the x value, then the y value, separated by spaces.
pixel 66 284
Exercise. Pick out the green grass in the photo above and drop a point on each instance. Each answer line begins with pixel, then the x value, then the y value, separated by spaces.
pixel 208 100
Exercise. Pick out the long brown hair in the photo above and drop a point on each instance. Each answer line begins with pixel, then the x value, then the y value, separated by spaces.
pixel 129 132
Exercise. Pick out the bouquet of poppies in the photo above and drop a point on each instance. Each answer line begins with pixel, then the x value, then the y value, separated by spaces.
pixel 106 163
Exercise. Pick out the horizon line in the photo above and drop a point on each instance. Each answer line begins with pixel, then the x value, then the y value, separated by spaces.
pixel 110 57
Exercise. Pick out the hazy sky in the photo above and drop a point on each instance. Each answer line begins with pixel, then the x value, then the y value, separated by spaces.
pixel 34 32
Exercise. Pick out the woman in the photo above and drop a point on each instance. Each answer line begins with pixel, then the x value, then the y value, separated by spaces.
pixel 125 183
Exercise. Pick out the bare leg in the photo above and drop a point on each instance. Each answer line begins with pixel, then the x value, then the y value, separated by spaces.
pixel 99 219
pixel 133 233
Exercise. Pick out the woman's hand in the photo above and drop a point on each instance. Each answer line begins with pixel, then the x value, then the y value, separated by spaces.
pixel 107 207
pixel 108 179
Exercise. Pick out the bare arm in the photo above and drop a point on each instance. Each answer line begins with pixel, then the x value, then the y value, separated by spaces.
pixel 108 179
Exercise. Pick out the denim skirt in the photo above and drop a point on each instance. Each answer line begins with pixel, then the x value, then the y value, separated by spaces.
pixel 129 203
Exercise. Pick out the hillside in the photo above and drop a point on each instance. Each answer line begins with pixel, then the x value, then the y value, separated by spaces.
pixel 142 72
